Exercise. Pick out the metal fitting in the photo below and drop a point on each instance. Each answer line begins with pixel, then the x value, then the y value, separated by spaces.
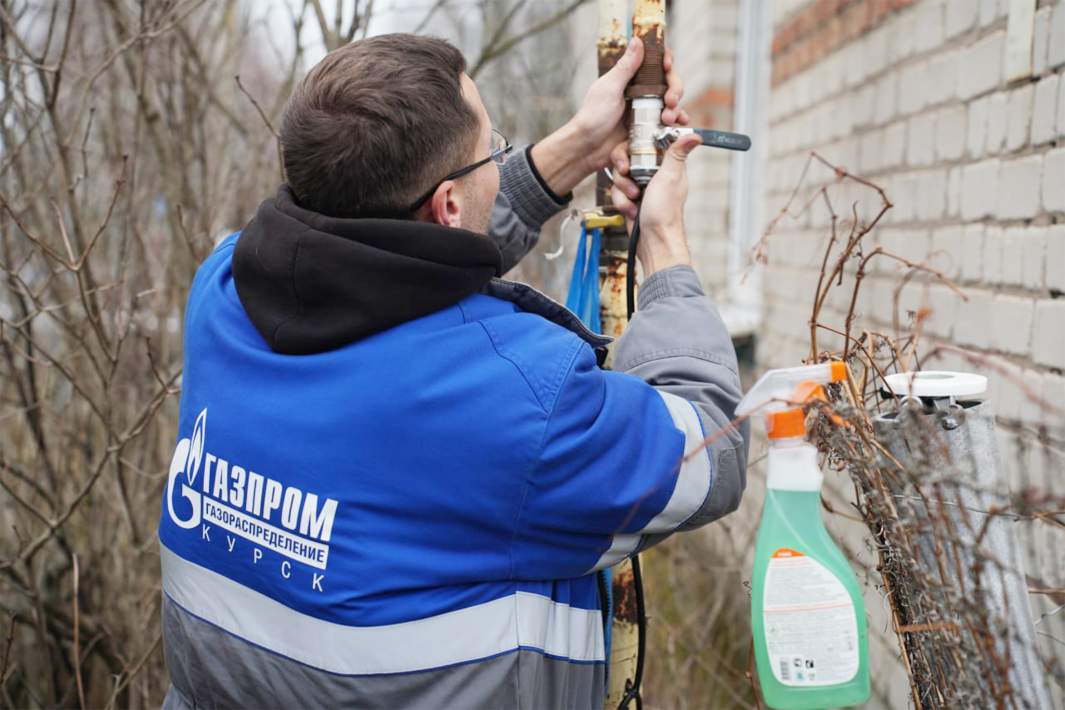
pixel 643 152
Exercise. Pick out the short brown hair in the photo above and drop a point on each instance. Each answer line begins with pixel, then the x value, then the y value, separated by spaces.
pixel 375 123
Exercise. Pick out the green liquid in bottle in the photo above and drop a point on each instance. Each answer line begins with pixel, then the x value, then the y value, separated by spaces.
pixel 807 613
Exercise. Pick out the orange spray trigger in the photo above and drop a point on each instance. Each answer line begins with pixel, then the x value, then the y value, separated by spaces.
pixel 808 390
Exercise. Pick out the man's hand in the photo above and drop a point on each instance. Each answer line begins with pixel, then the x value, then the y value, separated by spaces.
pixel 597 131
pixel 662 239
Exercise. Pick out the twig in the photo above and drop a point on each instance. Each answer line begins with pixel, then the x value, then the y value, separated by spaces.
pixel 77 629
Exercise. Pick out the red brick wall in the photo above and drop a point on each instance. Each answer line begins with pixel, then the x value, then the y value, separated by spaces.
pixel 819 28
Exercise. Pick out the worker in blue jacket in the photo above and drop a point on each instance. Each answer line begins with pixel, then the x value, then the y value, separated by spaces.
pixel 397 474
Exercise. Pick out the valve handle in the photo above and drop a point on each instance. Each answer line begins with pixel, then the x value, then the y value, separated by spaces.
pixel 714 139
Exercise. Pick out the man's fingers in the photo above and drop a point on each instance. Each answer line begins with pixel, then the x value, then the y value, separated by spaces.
pixel 627 65
pixel 627 186
pixel 677 155
pixel 624 205
pixel 619 158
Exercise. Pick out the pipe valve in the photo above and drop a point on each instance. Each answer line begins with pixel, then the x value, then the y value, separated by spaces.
pixel 648 139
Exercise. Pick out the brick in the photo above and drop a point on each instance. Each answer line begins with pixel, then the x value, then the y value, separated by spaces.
pixel 1040 40
pixel 870 148
pixel 994 268
pixel 1054 181
pixel 874 51
pixel 930 26
pixel 1061 108
pixel 862 101
pixel 1011 324
pixel 1048 340
pixel 942 80
pixel 1011 258
pixel 886 103
pixel 992 10
pixel 920 144
pixel 971 326
pixel 947 250
pixel 1044 108
pixel 944 304
pixel 992 256
pixel 954 192
pixel 976 135
pixel 972 252
pixel 950 132
pixel 913 88
pixel 1055 261
pixel 1018 117
pixel 1056 45
pixel 1033 257
pixel 961 16
pixel 979 185
pixel 904 187
pixel 1018 193
pixel 903 37
pixel 894 145
pixel 983 65
pixel 997 117
pixel 931 195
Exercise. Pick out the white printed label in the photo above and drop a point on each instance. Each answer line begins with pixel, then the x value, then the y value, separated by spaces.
pixel 810 625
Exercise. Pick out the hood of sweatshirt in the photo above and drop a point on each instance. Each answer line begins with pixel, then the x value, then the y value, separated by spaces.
pixel 312 283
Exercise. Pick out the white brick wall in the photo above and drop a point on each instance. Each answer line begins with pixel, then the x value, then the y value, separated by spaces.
pixel 975 166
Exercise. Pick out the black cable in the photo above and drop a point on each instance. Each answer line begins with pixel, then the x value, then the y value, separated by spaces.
pixel 630 269
pixel 632 687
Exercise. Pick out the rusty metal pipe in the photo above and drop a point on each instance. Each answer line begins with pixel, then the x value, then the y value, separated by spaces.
pixel 647 89
pixel 610 45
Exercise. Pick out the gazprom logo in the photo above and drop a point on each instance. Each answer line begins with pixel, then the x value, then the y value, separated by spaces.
pixel 222 493
pixel 187 458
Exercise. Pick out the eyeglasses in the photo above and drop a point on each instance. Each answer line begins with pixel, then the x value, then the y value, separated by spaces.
pixel 498 155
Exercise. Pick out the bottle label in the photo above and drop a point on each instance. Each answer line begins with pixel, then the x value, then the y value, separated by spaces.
pixel 810 626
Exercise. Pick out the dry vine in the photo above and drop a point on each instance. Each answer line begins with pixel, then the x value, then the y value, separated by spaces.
pixel 935 511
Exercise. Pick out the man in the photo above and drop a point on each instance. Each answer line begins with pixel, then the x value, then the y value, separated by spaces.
pixel 397 475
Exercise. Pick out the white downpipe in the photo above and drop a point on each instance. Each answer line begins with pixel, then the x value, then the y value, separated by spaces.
pixel 746 189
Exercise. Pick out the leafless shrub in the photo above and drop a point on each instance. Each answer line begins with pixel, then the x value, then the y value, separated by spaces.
pixel 931 501
pixel 132 137
pixel 127 149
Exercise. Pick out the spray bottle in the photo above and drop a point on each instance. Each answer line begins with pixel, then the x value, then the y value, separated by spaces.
pixel 807 613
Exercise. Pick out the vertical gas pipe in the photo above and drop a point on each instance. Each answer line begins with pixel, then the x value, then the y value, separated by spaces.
pixel 613 36
pixel 624 647
pixel 646 91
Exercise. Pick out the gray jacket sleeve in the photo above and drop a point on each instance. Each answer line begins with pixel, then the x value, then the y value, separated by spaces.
pixel 677 343
pixel 521 208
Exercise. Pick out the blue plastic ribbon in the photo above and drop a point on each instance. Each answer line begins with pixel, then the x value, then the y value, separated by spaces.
pixel 583 295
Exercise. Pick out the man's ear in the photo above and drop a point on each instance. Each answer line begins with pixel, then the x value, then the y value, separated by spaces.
pixel 445 206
